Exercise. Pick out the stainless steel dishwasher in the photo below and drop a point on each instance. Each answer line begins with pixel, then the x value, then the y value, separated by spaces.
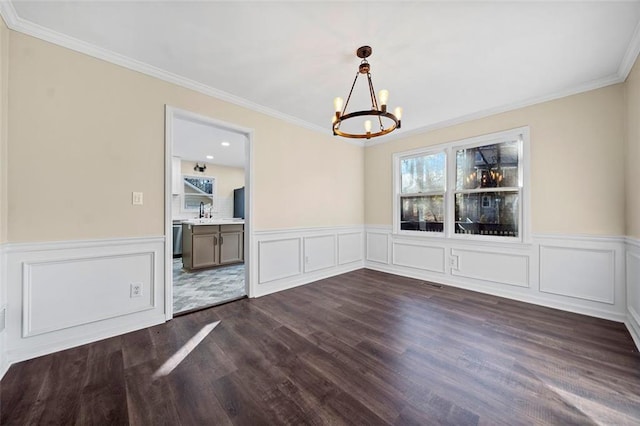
pixel 177 238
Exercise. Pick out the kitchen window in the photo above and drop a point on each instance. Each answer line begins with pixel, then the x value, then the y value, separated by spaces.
pixel 196 190
pixel 474 189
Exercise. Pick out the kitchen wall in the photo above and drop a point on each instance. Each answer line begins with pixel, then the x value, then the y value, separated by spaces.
pixel 227 179
pixel 633 199
pixel 577 153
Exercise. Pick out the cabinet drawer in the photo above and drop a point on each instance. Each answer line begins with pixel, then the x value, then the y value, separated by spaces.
pixel 231 228
pixel 205 229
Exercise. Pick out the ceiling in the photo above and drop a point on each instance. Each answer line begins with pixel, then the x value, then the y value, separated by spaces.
pixel 443 62
pixel 194 140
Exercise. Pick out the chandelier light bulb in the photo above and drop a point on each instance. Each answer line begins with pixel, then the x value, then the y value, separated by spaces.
pixel 367 126
pixel 337 103
pixel 384 97
pixel 398 113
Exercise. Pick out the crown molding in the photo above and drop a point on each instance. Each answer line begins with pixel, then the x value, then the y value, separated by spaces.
pixel 592 85
pixel 630 55
pixel 8 13
pixel 15 23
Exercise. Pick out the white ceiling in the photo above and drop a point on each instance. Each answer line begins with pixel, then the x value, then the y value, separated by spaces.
pixel 194 141
pixel 441 61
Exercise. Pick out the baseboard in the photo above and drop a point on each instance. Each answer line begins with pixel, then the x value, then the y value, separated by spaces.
pixel 575 273
pixel 4 367
pixel 612 316
pixel 303 280
pixel 632 323
pixel 20 355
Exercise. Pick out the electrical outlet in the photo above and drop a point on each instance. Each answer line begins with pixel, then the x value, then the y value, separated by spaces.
pixel 136 289
pixel 453 262
pixel 136 198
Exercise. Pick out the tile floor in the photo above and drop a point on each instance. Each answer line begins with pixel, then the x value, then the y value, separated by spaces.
pixel 193 290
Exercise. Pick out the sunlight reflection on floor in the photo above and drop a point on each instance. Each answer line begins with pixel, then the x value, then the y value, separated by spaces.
pixel 185 350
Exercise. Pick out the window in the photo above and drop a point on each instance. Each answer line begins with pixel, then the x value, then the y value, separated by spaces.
pixel 422 191
pixel 473 188
pixel 196 190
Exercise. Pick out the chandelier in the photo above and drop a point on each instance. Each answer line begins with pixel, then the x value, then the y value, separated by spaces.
pixel 386 121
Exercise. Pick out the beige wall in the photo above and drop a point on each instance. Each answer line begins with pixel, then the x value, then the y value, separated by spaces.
pixel 577 159
pixel 78 119
pixel 633 151
pixel 4 80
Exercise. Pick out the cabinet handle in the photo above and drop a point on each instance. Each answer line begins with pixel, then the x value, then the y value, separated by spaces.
pixel 221 240
pixel 215 241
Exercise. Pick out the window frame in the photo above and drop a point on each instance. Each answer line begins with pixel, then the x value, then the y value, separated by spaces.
pixel 520 134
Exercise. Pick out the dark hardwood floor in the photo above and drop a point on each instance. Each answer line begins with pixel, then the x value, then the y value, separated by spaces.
pixel 360 348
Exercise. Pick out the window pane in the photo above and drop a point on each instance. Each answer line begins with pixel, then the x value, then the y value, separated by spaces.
pixel 488 213
pixel 424 213
pixel 422 174
pixel 489 166
pixel 194 185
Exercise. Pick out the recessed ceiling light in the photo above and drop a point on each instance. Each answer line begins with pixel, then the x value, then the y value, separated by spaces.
pixel 225 143
pixel 209 157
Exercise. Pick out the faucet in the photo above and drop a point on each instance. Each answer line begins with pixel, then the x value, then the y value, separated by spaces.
pixel 201 213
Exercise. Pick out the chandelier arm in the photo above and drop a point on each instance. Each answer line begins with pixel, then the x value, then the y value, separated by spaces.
pixel 374 100
pixel 372 93
pixel 350 92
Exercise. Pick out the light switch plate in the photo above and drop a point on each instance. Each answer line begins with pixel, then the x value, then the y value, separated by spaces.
pixel 136 198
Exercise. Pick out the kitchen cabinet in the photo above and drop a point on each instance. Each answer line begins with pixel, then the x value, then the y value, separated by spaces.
pixel 206 246
pixel 176 175
pixel 231 244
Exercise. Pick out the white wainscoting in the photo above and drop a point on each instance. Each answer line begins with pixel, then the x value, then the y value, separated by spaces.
pixel 578 272
pixel 494 266
pixel 291 257
pixel 350 247
pixel 64 294
pixel 319 252
pixel 633 289
pixel 418 256
pixel 573 273
pixel 278 259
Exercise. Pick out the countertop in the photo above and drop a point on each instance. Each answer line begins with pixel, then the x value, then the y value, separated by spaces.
pixel 214 221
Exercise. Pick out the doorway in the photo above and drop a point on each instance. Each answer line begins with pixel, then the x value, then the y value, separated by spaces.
pixel 207 211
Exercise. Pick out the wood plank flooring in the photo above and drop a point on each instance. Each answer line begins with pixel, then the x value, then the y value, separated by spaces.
pixel 363 348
